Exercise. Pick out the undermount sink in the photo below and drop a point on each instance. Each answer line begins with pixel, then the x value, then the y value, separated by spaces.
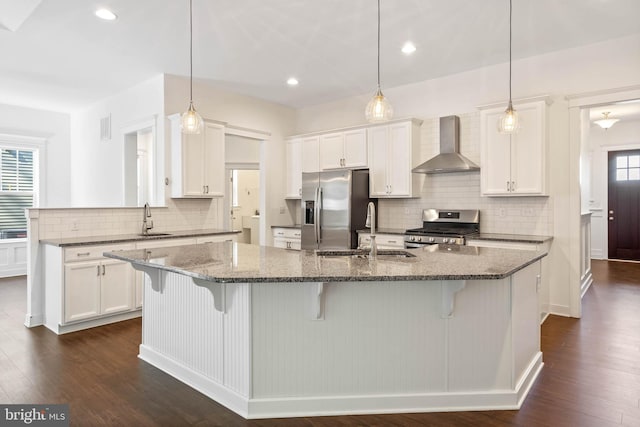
pixel 363 253
pixel 154 234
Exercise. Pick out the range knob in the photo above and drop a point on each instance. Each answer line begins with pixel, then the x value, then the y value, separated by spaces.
pixel 432 239
pixel 420 239
pixel 412 238
pixel 452 240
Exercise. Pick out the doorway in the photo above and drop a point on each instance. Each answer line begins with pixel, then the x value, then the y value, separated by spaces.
pixel 142 165
pixel 624 205
pixel 244 187
pixel 243 206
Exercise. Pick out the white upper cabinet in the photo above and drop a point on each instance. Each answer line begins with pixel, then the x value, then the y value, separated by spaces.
pixel 344 150
pixel 294 169
pixel 197 161
pixel 393 152
pixel 515 164
pixel 310 154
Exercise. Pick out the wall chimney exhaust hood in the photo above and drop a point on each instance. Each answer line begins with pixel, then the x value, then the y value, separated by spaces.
pixel 449 159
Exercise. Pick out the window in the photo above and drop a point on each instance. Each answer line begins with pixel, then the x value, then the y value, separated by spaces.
pixel 16 190
pixel 628 168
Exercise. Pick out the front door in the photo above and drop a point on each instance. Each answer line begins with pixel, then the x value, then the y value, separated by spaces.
pixel 624 205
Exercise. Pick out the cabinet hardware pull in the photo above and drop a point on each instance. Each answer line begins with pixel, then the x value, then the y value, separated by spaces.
pixel 508 188
pixel 83 254
pixel 392 241
pixel 299 191
pixel 513 186
pixel 103 270
pixel 98 269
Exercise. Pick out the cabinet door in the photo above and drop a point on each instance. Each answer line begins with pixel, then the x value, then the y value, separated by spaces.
pixel 332 151
pixel 495 170
pixel 310 154
pixel 399 169
pixel 294 169
pixel 81 290
pixel 192 165
pixel 377 139
pixel 280 242
pixel 527 151
pixel 355 149
pixel 116 287
pixel 212 158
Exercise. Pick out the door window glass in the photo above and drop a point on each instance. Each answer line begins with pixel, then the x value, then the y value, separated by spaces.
pixel 628 168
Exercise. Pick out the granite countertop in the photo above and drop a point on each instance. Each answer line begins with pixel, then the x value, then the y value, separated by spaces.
pixel 295 226
pixel 121 238
pixel 520 238
pixel 232 262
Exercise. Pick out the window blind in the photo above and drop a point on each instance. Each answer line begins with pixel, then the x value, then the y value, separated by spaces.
pixel 16 189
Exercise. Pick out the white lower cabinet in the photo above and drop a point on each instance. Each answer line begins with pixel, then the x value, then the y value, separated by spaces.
pixel 97 288
pixel 286 238
pixel 93 286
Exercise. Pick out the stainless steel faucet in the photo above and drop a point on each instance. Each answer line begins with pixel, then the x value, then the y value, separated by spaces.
pixel 371 223
pixel 146 225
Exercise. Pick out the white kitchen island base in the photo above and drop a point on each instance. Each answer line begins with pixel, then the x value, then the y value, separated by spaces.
pixel 291 349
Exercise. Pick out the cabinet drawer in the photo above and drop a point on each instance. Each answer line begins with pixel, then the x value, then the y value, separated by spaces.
pixel 83 253
pixel 216 238
pixel 287 233
pixel 282 243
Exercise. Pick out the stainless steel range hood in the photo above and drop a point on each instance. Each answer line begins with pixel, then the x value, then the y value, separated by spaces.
pixel 449 159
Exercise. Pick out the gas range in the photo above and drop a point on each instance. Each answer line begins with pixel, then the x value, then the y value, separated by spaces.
pixel 443 226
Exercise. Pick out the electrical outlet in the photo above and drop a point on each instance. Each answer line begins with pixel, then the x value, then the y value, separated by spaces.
pixel 74 225
pixel 281 210
pixel 502 212
pixel 527 212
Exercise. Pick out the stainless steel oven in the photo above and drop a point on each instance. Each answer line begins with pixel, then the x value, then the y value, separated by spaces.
pixel 449 227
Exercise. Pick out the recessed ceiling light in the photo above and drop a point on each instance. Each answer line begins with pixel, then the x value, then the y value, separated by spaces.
pixel 408 48
pixel 292 81
pixel 106 14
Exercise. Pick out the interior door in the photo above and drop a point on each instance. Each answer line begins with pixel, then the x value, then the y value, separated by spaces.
pixel 624 205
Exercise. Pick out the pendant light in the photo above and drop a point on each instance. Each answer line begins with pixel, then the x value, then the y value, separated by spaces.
pixel 508 122
pixel 191 121
pixel 378 109
pixel 605 123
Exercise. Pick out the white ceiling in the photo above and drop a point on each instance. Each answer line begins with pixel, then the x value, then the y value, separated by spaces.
pixel 62 57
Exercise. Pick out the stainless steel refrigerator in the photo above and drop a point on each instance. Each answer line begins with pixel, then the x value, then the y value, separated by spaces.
pixel 334 207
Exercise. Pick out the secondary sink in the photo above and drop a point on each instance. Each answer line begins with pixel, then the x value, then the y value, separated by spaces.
pixel 154 234
pixel 364 253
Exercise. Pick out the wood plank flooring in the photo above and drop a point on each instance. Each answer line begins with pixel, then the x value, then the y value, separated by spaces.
pixel 591 375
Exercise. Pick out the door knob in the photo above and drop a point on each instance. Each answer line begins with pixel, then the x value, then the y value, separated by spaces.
pixel 610 218
pixel 610 212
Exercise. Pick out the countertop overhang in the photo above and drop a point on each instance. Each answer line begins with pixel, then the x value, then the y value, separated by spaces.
pixel 231 262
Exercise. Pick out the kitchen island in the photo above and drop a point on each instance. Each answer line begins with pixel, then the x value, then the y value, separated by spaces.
pixel 274 333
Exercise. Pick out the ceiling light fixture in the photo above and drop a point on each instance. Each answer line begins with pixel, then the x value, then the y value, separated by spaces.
pixel 408 48
pixel 106 14
pixel 191 121
pixel 378 109
pixel 605 123
pixel 292 81
pixel 508 122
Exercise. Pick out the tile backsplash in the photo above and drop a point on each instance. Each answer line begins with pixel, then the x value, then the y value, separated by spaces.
pixel 180 215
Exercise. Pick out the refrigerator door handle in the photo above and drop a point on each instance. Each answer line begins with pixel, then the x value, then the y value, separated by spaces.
pixel 318 213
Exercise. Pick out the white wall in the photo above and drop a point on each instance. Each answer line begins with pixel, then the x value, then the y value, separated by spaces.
pixel 623 135
pixel 97 167
pixel 55 127
pixel 601 66
pixel 245 112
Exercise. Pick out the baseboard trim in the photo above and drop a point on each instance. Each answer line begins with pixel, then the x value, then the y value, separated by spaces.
pixel 33 320
pixel 74 327
pixel 559 310
pixel 288 407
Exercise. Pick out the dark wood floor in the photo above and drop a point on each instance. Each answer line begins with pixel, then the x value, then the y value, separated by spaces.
pixel 591 375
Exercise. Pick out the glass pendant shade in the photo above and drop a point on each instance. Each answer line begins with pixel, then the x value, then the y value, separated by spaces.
pixel 378 109
pixel 191 121
pixel 509 122
pixel 605 123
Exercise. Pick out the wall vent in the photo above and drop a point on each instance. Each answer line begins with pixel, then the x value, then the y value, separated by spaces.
pixel 105 128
